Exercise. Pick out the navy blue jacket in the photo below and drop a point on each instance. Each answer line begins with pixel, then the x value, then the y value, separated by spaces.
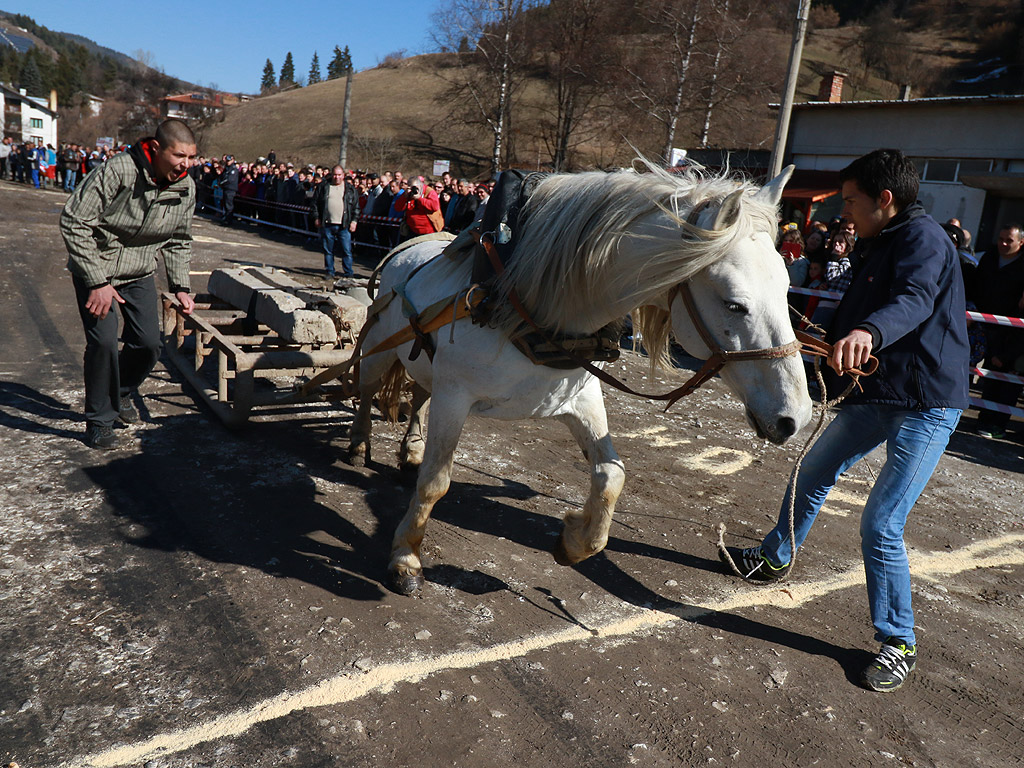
pixel 909 294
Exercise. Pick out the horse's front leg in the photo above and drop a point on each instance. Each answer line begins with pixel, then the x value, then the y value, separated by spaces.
pixel 448 414
pixel 585 532
pixel 410 454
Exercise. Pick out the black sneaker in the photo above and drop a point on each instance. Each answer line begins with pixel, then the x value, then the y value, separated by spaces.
pixel 891 667
pixel 127 412
pixel 992 433
pixel 101 437
pixel 753 564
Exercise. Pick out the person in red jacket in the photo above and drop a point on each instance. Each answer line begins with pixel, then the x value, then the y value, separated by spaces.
pixel 417 204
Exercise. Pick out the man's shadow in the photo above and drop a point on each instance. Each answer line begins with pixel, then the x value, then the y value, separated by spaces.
pixel 17 399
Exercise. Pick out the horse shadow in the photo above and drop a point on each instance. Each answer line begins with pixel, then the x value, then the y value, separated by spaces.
pixel 479 509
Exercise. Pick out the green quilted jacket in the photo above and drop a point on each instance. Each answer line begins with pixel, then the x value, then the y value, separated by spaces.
pixel 118 220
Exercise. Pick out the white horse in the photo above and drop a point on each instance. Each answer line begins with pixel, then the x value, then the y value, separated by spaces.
pixel 595 247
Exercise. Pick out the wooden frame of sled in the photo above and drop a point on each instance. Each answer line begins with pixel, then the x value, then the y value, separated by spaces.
pixel 222 356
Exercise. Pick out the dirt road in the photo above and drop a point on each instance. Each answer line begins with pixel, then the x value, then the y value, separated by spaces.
pixel 207 598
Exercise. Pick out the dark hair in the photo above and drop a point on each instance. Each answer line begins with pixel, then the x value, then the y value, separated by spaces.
pixel 174 131
pixel 1013 225
pixel 884 169
pixel 956 234
pixel 846 237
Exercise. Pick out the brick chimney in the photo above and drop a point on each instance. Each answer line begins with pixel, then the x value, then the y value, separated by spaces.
pixel 831 89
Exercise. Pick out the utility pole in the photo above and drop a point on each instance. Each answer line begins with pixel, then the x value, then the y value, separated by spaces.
pixel 343 154
pixel 786 107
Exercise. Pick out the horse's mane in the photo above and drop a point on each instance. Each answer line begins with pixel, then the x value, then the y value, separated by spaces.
pixel 567 265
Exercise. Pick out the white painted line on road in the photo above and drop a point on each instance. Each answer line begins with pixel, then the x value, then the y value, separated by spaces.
pixel 342 688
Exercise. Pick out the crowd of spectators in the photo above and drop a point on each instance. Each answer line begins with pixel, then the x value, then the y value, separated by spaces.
pixel 283 193
pixel 43 166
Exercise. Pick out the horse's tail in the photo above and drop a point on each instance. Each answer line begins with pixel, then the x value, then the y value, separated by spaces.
pixel 654 327
pixel 390 393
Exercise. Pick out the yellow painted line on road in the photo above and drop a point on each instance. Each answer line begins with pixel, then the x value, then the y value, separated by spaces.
pixel 1002 551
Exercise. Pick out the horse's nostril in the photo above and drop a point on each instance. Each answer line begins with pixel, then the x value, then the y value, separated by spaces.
pixel 787 427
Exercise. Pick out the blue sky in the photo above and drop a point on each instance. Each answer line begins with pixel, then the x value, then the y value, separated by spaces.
pixel 227 42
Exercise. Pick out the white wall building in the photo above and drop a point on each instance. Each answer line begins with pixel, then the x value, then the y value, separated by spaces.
pixel 27 118
pixel 968 150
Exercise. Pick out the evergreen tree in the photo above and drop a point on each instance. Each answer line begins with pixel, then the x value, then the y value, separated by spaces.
pixel 30 78
pixel 314 70
pixel 346 62
pixel 335 68
pixel 269 78
pixel 287 71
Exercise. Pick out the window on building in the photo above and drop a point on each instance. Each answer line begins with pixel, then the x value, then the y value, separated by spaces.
pixel 36 122
pixel 949 171
pixel 940 170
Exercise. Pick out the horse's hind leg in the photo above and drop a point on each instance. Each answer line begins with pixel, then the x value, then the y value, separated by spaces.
pixel 585 531
pixel 410 454
pixel 371 376
pixel 447 415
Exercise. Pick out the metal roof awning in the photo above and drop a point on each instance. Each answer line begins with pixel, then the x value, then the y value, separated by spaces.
pixel 811 186
pixel 1005 184
pixel 813 194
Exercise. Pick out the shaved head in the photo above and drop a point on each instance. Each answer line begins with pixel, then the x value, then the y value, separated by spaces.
pixel 174 131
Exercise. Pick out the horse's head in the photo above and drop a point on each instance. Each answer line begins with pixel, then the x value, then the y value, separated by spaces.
pixel 741 301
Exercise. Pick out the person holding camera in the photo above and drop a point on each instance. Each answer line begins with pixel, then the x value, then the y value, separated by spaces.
pixel 422 209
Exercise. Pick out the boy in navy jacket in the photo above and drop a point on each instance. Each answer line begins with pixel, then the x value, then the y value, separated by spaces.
pixel 906 307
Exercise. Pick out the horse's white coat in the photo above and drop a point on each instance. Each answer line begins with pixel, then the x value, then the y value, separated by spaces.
pixel 937 566
pixel 601 273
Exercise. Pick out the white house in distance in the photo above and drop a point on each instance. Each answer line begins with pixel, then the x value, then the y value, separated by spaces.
pixel 968 149
pixel 28 118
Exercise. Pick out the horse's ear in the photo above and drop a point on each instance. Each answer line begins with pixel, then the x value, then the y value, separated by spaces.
pixel 729 213
pixel 772 191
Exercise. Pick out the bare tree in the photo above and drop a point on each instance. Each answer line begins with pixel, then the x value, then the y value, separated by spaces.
pixel 490 58
pixel 656 74
pixel 574 46
pixel 736 72
pixel 377 151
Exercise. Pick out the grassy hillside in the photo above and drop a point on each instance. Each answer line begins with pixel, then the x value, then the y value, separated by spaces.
pixel 398 120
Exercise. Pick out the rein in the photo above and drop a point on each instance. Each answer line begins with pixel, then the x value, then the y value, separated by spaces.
pixel 719 357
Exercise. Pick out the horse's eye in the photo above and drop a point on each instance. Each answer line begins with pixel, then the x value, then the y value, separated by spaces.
pixel 736 308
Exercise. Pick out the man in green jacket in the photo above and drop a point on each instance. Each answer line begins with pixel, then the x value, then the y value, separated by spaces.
pixel 135 206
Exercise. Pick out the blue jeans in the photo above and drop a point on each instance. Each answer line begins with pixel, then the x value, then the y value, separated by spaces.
pixel 914 442
pixel 330 237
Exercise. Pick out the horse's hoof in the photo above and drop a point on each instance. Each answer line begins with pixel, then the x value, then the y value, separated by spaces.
pixel 358 458
pixel 406 583
pixel 559 553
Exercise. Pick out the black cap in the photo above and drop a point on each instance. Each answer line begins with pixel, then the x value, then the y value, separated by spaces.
pixel 955 234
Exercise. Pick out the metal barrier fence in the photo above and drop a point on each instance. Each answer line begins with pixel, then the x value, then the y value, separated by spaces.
pixel 979 317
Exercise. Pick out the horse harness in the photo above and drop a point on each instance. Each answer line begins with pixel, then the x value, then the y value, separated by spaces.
pixel 564 352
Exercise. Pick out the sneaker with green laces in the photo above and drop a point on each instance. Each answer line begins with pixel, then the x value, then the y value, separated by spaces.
pixel 753 564
pixel 891 667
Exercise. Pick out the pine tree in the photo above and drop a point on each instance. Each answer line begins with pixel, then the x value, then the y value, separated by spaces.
pixel 346 62
pixel 314 70
pixel 30 78
pixel 287 71
pixel 269 78
pixel 335 67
